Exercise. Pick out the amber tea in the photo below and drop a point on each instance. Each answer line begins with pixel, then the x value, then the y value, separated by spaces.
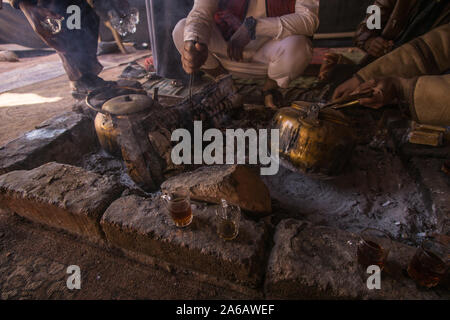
pixel 370 253
pixel 180 212
pixel 179 207
pixel 228 219
pixel 373 248
pixel 228 230
pixel 426 267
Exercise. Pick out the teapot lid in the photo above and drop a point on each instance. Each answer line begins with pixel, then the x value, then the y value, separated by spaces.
pixel 127 104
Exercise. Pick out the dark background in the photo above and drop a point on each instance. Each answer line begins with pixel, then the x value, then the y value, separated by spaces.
pixel 335 16
pixel 341 15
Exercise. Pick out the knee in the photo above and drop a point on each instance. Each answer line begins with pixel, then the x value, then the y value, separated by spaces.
pixel 178 33
pixel 298 55
pixel 299 49
pixel 294 55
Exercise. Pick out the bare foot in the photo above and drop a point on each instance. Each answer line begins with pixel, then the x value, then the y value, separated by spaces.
pixel 269 103
pixel 272 97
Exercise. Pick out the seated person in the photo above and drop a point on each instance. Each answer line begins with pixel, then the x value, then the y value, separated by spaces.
pixel 416 75
pixel 76 48
pixel 402 21
pixel 249 38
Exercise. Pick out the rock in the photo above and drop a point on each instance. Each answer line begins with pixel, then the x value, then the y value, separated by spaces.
pixel 400 128
pixel 161 143
pixel 107 47
pixel 235 183
pixel 61 196
pixel 133 71
pixel 8 56
pixel 142 226
pixel 316 262
pixel 64 139
pixel 435 187
pixel 129 83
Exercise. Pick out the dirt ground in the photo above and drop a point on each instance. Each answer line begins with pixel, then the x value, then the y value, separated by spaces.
pixel 44 99
pixel 17 120
pixel 34 261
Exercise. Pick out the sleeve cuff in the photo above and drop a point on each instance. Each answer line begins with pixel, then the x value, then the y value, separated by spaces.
pixel 194 36
pixel 407 87
pixel 269 27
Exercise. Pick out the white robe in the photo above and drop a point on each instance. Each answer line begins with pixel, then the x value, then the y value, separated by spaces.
pixel 281 50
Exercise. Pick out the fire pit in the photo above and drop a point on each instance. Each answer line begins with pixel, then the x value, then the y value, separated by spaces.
pixel 290 222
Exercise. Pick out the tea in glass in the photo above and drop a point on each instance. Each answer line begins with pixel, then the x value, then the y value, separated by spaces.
pixel 373 248
pixel 429 265
pixel 228 220
pixel 178 204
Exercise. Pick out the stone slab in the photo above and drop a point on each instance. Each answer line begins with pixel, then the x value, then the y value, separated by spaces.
pixel 142 225
pixel 64 139
pixel 60 196
pixel 316 262
pixel 237 184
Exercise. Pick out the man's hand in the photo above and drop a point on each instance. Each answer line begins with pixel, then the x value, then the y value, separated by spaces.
pixel 346 88
pixel 194 56
pixel 240 39
pixel 378 46
pixel 386 91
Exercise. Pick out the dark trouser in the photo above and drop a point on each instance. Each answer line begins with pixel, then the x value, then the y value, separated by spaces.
pixel 77 48
pixel 163 15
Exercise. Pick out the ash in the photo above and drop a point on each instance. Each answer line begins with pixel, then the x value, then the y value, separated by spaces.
pixel 103 163
pixel 377 190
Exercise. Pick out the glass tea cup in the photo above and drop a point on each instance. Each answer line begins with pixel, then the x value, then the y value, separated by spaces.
pixel 373 248
pixel 429 264
pixel 178 204
pixel 228 218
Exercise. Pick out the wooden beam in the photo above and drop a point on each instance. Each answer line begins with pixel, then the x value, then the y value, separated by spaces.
pixel 320 36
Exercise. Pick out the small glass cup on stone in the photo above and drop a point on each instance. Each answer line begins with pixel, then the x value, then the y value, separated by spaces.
pixel 228 218
pixel 430 263
pixel 178 204
pixel 373 248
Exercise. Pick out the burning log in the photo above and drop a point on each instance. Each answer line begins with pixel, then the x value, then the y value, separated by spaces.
pixel 211 106
pixel 137 122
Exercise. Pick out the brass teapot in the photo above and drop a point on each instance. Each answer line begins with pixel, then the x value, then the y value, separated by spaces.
pixel 120 129
pixel 112 105
pixel 130 106
pixel 314 139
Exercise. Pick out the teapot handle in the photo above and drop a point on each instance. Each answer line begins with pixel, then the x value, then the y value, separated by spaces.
pixel 90 105
pixel 99 90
